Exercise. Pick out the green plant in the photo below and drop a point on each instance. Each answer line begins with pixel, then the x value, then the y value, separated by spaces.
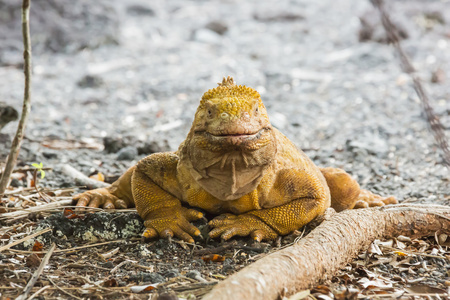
pixel 39 168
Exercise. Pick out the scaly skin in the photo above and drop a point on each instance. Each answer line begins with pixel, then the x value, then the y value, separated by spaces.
pixel 233 164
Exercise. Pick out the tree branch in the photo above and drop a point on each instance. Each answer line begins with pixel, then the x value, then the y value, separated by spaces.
pixel 328 248
pixel 15 147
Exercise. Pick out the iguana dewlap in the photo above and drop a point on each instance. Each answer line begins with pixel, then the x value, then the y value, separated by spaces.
pixel 233 164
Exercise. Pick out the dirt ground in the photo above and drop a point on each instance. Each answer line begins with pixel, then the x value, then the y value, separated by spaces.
pixel 117 80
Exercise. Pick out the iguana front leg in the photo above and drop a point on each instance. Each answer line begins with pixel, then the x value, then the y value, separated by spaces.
pixel 156 193
pixel 118 195
pixel 310 197
pixel 266 224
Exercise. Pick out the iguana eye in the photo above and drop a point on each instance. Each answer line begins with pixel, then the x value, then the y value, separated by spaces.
pixel 209 113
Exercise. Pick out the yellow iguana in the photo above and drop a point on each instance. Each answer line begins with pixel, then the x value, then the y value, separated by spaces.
pixel 235 165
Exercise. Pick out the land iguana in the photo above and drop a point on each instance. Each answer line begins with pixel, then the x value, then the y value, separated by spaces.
pixel 233 164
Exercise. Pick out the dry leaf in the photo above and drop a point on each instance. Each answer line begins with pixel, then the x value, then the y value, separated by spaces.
pixel 38 246
pixel 99 177
pixel 111 283
pixel 143 288
pixel 375 283
pixel 401 253
pixel 33 260
pixel 300 295
pixel 424 289
pixel 69 214
pixel 213 258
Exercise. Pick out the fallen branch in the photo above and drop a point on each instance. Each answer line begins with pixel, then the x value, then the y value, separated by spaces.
pixel 23 213
pixel 15 147
pixel 81 179
pixel 328 248
pixel 24 239
pixel 36 274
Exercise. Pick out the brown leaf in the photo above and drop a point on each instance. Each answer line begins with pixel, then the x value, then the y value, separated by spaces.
pixel 70 214
pixel 143 288
pixel 322 289
pixel 99 177
pixel 424 289
pixel 38 246
pixel 213 258
pixel 111 283
pixel 33 260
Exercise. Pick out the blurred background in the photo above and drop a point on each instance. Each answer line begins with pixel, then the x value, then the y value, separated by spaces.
pixel 114 81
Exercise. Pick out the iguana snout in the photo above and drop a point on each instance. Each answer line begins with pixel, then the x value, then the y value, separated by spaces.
pixel 232 116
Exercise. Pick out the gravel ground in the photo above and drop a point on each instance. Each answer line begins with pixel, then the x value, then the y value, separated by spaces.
pixel 344 101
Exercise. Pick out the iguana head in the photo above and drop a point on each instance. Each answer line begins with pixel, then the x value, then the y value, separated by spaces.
pixel 231 143
pixel 231 116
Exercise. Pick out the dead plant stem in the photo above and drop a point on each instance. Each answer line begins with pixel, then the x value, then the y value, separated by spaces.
pixel 15 147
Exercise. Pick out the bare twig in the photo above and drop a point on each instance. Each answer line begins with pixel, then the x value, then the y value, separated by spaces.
pixel 81 179
pixel 15 147
pixel 43 195
pixel 40 291
pixel 63 290
pixel 76 248
pixel 433 120
pixel 24 239
pixel 45 207
pixel 36 274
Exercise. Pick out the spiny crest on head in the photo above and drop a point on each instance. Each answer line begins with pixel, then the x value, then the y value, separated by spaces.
pixel 228 89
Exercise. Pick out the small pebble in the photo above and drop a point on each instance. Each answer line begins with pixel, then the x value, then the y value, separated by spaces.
pixel 90 81
pixel 33 260
pixel 127 153
pixel 16 182
pixel 436 273
pixel 171 273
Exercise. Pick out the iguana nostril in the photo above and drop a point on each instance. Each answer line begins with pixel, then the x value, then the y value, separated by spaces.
pixel 224 115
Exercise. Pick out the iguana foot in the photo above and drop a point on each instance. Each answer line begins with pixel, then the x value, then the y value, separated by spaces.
pixel 171 222
pixel 227 225
pixel 98 198
pixel 369 199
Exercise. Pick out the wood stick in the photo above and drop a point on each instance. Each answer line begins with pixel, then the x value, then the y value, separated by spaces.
pixel 328 248
pixel 77 248
pixel 24 212
pixel 15 147
pixel 24 239
pixel 81 179
pixel 36 274
pixel 40 291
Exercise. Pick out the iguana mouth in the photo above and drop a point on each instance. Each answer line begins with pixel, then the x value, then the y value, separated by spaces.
pixel 236 135
pixel 236 139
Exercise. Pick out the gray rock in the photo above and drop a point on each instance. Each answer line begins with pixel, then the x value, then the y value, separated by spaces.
pixel 207 36
pixel 7 114
pixel 372 144
pixel 218 27
pixel 140 10
pixel 90 81
pixel 171 273
pixel 127 153
pixel 16 182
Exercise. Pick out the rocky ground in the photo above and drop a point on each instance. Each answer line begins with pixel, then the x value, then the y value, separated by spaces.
pixel 115 81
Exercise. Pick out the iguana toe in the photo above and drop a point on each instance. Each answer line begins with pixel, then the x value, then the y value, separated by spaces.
pixel 227 226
